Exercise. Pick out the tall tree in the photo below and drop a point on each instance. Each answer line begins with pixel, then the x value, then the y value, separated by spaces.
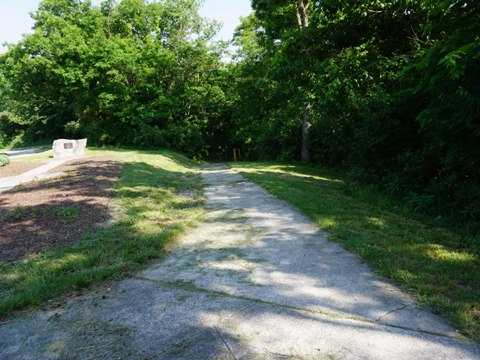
pixel 303 22
pixel 282 29
pixel 392 92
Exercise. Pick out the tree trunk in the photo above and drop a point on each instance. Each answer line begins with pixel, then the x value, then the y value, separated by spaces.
pixel 302 14
pixel 303 22
pixel 306 124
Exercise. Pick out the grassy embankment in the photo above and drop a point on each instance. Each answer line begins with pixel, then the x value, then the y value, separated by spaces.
pixel 440 268
pixel 151 212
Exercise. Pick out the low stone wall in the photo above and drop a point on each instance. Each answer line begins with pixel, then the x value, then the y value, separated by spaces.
pixel 63 148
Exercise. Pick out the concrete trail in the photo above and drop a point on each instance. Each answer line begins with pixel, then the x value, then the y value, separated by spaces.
pixel 257 280
pixel 39 173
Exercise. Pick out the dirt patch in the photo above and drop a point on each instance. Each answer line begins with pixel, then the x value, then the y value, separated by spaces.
pixel 46 214
pixel 19 167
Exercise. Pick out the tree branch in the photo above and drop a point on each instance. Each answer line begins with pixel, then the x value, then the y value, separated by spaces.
pixel 309 2
pixel 302 11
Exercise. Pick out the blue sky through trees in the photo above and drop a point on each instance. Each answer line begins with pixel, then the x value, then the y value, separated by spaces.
pixel 15 19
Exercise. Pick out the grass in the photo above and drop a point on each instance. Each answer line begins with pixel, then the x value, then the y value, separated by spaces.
pixel 150 214
pixel 440 268
pixel 44 155
pixel 4 160
pixel 66 213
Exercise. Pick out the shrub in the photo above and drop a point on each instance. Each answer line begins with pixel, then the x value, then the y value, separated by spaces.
pixel 4 160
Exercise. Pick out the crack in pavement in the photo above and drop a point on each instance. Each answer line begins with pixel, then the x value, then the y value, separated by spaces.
pixel 225 342
pixel 392 311
pixel 332 315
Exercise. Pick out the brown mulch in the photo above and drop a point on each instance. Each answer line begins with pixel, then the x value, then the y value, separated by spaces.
pixel 19 167
pixel 46 214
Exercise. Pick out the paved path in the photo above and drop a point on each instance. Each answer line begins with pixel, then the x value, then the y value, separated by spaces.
pixel 38 173
pixel 24 152
pixel 257 280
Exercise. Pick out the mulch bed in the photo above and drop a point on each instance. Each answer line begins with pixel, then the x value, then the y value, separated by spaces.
pixel 46 214
pixel 19 167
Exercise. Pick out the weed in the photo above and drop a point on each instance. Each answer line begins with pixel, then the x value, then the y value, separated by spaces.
pixel 19 188
pixel 18 212
pixel 66 213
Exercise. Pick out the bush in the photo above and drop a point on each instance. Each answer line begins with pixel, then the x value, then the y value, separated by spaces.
pixel 4 160
pixel 11 126
pixel 73 129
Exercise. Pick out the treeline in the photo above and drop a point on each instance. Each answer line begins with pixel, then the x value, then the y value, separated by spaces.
pixel 132 72
pixel 388 90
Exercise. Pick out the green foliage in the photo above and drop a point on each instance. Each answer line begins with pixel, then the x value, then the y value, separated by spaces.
pixel 11 126
pixel 134 72
pixel 18 212
pixel 4 160
pixel 391 89
pixel 66 213
pixel 72 129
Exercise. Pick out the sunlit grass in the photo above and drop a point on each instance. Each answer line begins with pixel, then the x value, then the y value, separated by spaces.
pixel 150 213
pixel 440 268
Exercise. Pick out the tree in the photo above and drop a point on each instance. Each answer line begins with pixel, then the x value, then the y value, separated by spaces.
pixel 134 72
pixel 272 16
pixel 390 88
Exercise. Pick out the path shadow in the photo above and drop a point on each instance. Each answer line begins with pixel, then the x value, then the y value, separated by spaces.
pixel 141 319
pixel 248 283
pixel 277 255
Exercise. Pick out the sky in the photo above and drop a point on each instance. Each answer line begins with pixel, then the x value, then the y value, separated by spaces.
pixel 15 19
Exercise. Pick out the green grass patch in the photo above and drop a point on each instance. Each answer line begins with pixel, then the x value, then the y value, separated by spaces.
pixel 151 212
pixel 440 268
pixel 66 213
pixel 4 160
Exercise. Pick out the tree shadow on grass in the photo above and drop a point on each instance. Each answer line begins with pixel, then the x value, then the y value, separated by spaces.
pixel 186 319
pixel 61 243
pixel 441 268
